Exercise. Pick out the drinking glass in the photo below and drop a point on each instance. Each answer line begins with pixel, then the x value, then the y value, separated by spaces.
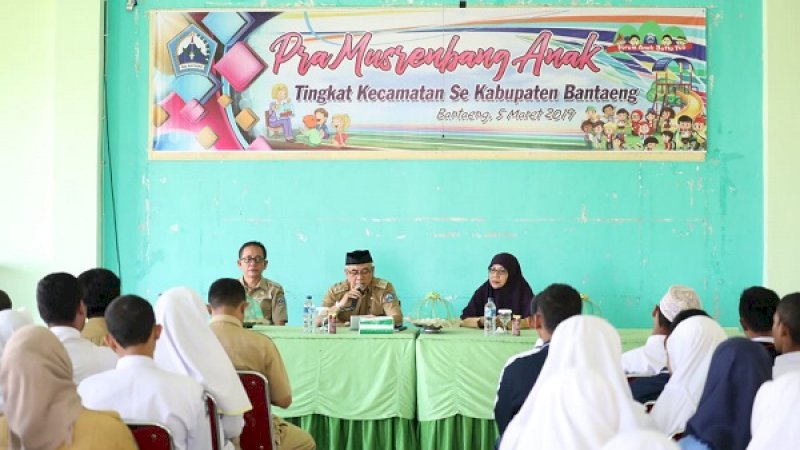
pixel 505 316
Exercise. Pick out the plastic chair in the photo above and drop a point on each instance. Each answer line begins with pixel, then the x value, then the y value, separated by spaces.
pixel 213 422
pixel 258 432
pixel 151 435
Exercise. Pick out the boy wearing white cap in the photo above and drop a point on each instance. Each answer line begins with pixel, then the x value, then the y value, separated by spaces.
pixel 651 358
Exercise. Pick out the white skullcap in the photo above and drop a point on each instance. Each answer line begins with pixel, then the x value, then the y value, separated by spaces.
pixel 677 299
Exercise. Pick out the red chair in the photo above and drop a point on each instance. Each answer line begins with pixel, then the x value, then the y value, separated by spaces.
pixel 213 422
pixel 151 435
pixel 258 432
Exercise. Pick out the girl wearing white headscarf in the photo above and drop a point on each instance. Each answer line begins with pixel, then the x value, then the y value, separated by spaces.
pixel 585 343
pixel 689 349
pixel 187 346
pixel 43 409
pixel 774 421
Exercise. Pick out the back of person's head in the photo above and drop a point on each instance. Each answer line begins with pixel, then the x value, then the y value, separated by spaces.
pixel 58 297
pixel 757 308
pixel 557 303
pixel 685 314
pixel 788 313
pixel 226 292
pixel 677 298
pixel 99 287
pixel 130 320
pixel 5 301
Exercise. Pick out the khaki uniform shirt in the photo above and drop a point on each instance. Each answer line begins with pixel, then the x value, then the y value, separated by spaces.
pixel 269 295
pixel 250 350
pixel 379 299
pixel 95 330
pixel 94 430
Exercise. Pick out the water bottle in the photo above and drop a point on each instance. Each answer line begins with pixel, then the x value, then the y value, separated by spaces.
pixel 308 315
pixel 489 315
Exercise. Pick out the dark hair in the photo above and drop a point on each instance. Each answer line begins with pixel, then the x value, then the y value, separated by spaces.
pixel 130 320
pixel 58 297
pixel 757 307
pixel 668 133
pixel 5 301
pixel 99 287
pixel 789 314
pixel 321 110
pixel 623 111
pixel 684 118
pixel 685 314
pixel 254 243
pixel 226 292
pixel 557 303
pixel 663 322
pixel 607 105
pixel 650 140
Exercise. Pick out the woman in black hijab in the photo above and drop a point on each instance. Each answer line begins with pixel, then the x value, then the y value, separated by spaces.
pixel 506 286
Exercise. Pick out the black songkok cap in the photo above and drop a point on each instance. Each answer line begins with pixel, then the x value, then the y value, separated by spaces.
pixel 358 257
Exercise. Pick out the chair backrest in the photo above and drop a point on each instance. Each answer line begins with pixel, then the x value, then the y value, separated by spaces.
pixel 213 422
pixel 151 435
pixel 258 432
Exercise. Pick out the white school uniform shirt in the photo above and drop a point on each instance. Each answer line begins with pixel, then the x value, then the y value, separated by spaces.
pixel 140 391
pixel 690 347
pixel 773 424
pixel 786 363
pixel 648 359
pixel 87 358
pixel 580 345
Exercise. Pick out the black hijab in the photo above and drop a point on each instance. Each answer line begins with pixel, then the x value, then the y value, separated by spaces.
pixel 516 294
pixel 738 368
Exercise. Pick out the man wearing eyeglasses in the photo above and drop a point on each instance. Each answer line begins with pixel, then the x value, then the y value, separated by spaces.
pixel 362 293
pixel 267 293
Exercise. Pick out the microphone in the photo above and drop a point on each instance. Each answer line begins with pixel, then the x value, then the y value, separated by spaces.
pixel 361 288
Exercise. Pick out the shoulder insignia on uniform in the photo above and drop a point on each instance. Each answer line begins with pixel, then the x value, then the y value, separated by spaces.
pixel 388 298
pixel 280 300
pixel 381 283
pixel 340 287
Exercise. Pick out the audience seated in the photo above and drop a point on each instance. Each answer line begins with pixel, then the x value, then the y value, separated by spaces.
pixel 188 347
pixel 249 350
pixel 43 409
pixel 585 343
pixel 774 420
pixel 140 391
pixel 58 297
pixel 786 331
pixel 722 420
pixel 690 346
pixel 756 310
pixel 652 357
pixel 553 305
pixel 99 287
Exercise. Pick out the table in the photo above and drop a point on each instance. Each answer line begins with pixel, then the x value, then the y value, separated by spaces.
pixel 350 391
pixel 457 375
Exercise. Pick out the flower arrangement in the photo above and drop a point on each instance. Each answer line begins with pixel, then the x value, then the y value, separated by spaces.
pixel 434 313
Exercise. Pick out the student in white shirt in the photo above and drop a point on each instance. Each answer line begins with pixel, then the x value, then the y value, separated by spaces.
pixel 786 331
pixel 773 424
pixel 60 303
pixel 140 391
pixel 651 358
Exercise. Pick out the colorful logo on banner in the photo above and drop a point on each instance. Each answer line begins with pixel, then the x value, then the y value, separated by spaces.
pixel 450 81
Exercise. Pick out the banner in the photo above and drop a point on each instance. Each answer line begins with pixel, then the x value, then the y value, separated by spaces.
pixel 429 83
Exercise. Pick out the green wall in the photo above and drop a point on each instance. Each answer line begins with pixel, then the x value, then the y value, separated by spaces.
pixel 620 231
pixel 49 142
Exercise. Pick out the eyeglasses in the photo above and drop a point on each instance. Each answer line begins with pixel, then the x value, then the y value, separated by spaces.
pixel 498 271
pixel 250 259
pixel 356 272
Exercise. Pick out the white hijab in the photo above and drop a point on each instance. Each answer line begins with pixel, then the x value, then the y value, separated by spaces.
pixel 689 350
pixel 774 423
pixel 10 321
pixel 187 346
pixel 584 343
pixel 641 439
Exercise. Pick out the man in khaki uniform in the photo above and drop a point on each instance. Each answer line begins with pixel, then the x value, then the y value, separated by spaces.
pixel 100 287
pixel 362 293
pixel 266 293
pixel 249 350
